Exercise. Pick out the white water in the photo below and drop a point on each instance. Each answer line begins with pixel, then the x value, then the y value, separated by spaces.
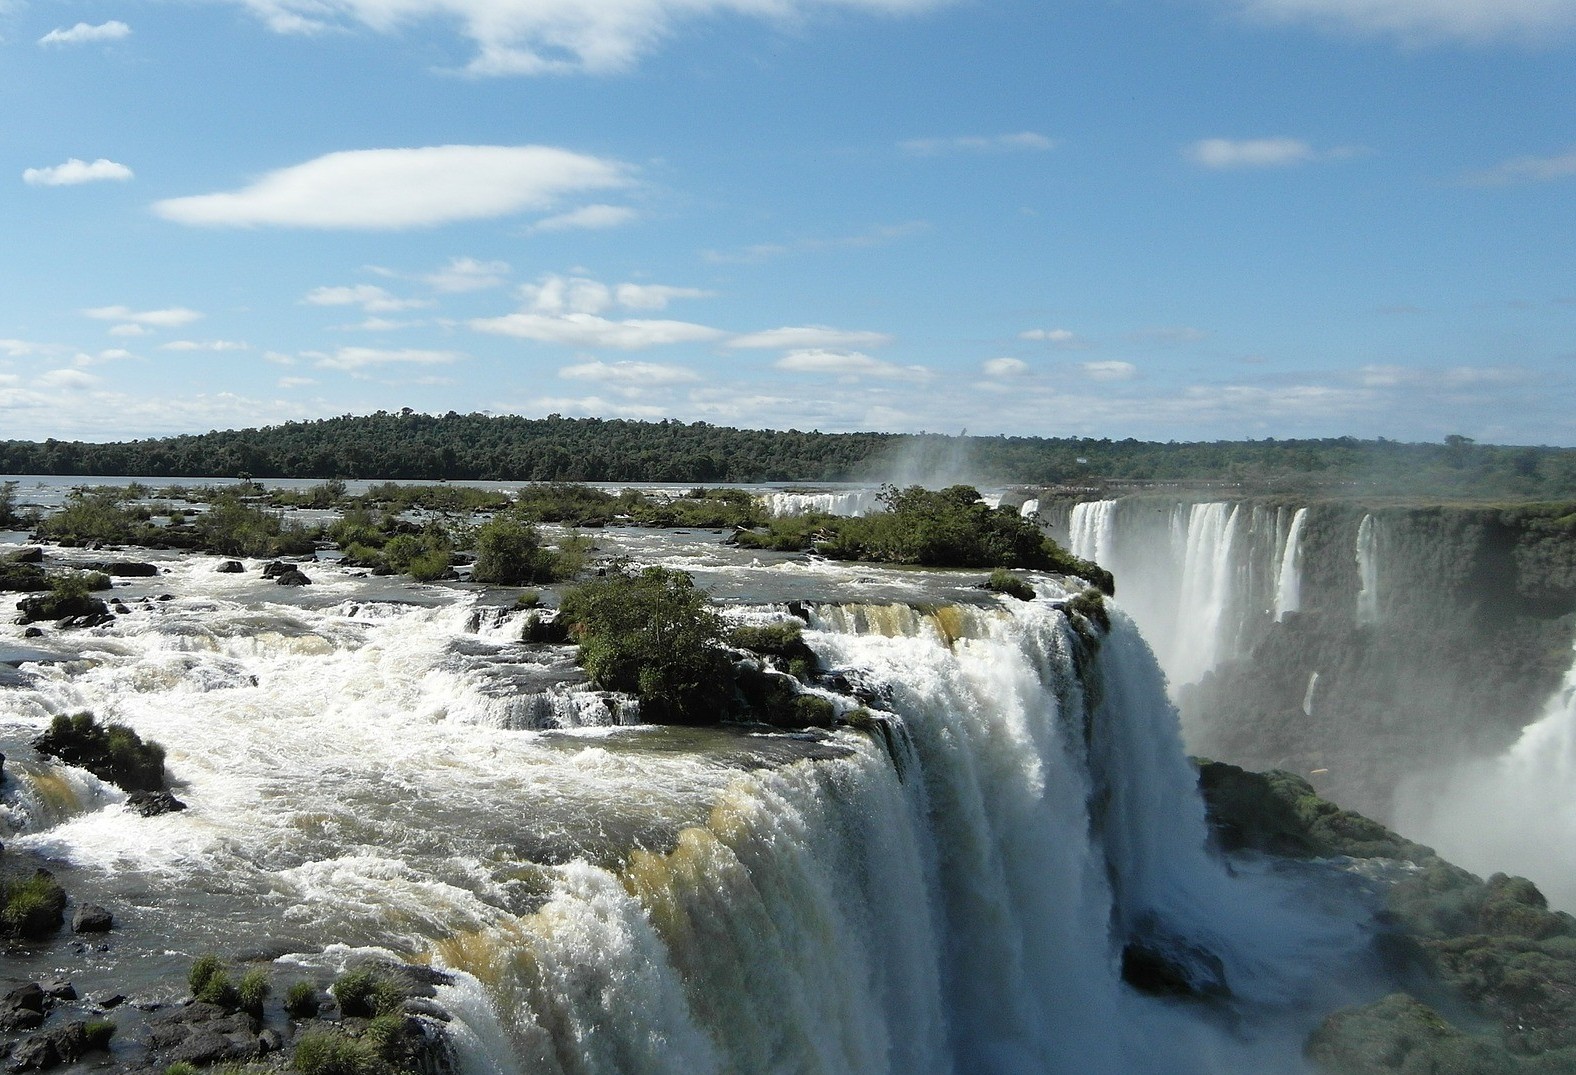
pixel 847 502
pixel 1288 583
pixel 1515 814
pixel 1368 571
pixel 1201 580
pixel 634 900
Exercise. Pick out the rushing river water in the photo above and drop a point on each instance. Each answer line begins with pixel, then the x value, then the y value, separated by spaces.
pixel 371 763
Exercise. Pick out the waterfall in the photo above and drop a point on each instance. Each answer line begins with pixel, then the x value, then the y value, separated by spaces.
pixel 1208 574
pixel 850 502
pixel 1029 508
pixel 1093 531
pixel 1368 571
pixel 1288 581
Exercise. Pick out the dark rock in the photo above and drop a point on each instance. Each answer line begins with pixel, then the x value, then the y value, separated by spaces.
pixel 126 569
pixel 270 1041
pixel 112 1000
pixel 59 989
pixel 275 568
pixel 91 918
pixel 230 567
pixel 23 1007
pixel 32 554
pixel 204 1034
pixel 1166 966
pixel 154 803
pixel 63 1045
pixel 56 607
pixel 33 632
pixel 427 1009
pixel 166 597
pixel 293 577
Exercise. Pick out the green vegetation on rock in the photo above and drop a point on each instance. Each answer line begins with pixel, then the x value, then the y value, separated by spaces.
pixel 110 752
pixel 1003 581
pixel 32 906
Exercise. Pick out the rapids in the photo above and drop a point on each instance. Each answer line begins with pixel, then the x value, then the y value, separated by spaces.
pixel 379 765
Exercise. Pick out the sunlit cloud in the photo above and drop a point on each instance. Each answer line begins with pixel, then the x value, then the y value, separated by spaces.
pixel 847 364
pixel 171 317
pixel 350 359
pixel 1005 367
pixel 881 236
pixel 390 189
pixel 1110 371
pixel 1426 21
pixel 370 297
pixel 809 337
pixel 83 33
pixel 75 172
pixel 587 218
pixel 1527 170
pixel 655 296
pixel 1057 337
pixel 590 330
pixel 630 373
pixel 204 345
pixel 468 274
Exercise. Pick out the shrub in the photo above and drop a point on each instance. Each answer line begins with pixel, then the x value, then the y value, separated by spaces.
pixel 326 1051
pixel 510 553
pixel 32 907
pixel 1003 581
pixel 89 515
pixel 652 634
pixel 301 999
pixel 253 989
pixel 110 752
pixel 369 992
pixel 425 557
pixel 98 1032
pixel 356 527
pixel 181 1067
pixel 8 515
pixel 210 982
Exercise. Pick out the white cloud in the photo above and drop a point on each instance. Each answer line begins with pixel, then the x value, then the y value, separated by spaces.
pixel 1427 21
pixel 1000 143
pixel 370 297
pixel 204 345
pixel 554 294
pixel 468 274
pixel 1170 334
pixel 1226 153
pixel 589 330
pixel 171 317
pixel 1527 170
pixel 810 337
pixel 76 171
pixel 295 382
pixel 887 233
pixel 26 348
pixel 847 364
pixel 1060 337
pixel 378 324
pixel 629 373
pixel 71 379
pixel 532 37
pixel 1110 371
pixel 351 359
pixel 130 329
pixel 587 218
pixel 374 189
pixel 113 354
pixel 278 358
pixel 82 33
pixel 655 296
pixel 1005 367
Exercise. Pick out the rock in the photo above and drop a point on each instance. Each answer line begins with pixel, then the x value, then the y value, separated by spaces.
pixel 294 577
pixel 91 918
pixel 110 1000
pixel 59 989
pixel 204 1034
pixel 23 1007
pixel 270 1041
pixel 31 554
pixel 230 567
pixel 126 569
pixel 275 568
pixel 55 607
pixel 154 803
pixel 63 1045
pixel 1166 966
pixel 33 632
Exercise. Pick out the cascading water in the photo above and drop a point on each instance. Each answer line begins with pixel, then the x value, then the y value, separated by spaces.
pixel 1288 581
pixel 952 896
pixel 848 502
pixel 1368 571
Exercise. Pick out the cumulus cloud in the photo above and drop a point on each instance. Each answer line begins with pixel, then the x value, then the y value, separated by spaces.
pixel 590 330
pixel 1110 371
pixel 170 317
pixel 131 329
pixel 849 365
pixel 554 294
pixel 1426 21
pixel 351 359
pixel 76 171
pixel 809 337
pixel 999 143
pixel 1060 337
pixel 1527 170
pixel 390 189
pixel 468 274
pixel 1005 367
pixel 370 297
pixel 72 379
pixel 530 37
pixel 82 33
pixel 629 373
pixel 587 218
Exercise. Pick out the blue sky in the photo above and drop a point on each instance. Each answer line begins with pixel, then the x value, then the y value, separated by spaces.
pixel 1183 219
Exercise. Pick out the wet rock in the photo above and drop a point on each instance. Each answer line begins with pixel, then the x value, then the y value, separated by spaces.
pixel 57 607
pixel 23 1007
pixel 126 569
pixel 59 989
pixel 154 803
pixel 294 577
pixel 110 1000
pixel 203 1034
pixel 63 1045
pixel 31 554
pixel 91 918
pixel 270 1041
pixel 275 568
pixel 33 632
pixel 1166 966
pixel 230 567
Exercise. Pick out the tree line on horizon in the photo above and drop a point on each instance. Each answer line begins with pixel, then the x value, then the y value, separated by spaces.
pixel 409 445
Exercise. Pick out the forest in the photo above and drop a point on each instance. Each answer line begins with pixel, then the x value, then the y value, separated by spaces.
pixel 410 445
